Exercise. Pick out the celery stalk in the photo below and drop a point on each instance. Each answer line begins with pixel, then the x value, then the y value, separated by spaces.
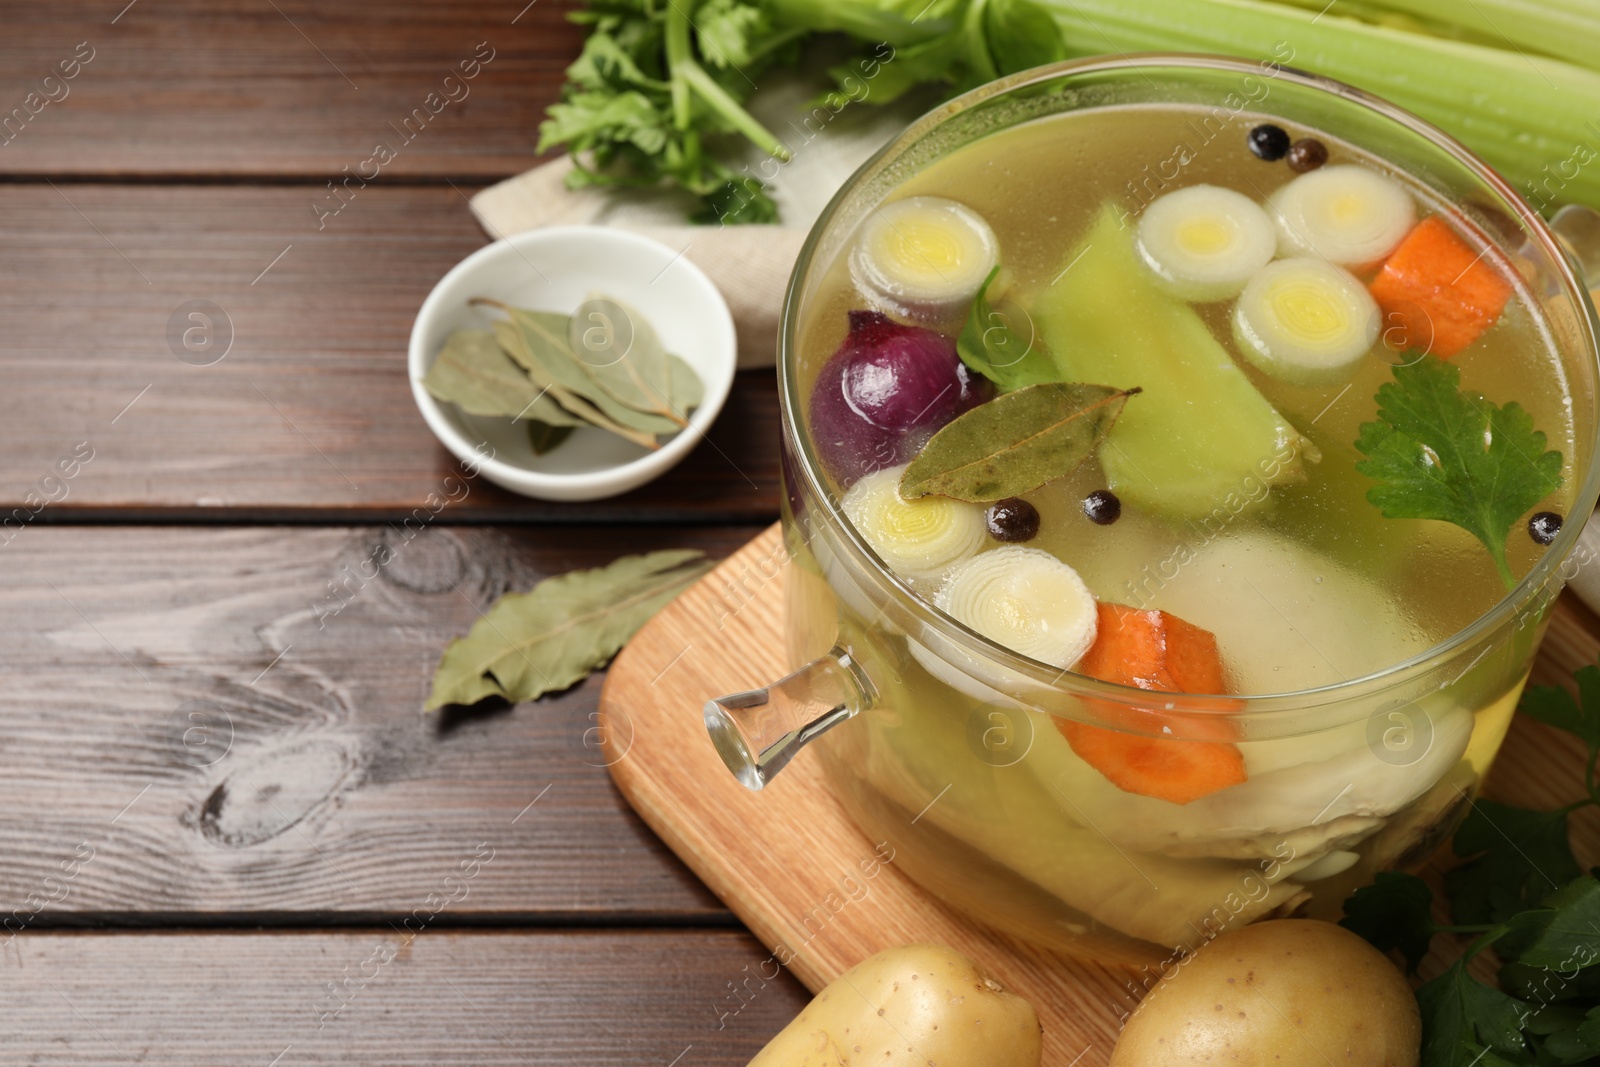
pixel 1526 115
pixel 1567 29
pixel 1200 436
pixel 1390 16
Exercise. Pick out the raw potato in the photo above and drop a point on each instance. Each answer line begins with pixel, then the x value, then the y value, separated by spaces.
pixel 1291 991
pixel 910 1007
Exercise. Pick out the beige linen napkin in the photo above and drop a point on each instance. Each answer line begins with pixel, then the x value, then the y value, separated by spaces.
pixel 749 264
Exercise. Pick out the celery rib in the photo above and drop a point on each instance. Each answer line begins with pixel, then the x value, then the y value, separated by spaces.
pixel 1566 29
pixel 1525 115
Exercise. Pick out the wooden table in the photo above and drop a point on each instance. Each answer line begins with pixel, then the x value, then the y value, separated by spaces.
pixel 228 833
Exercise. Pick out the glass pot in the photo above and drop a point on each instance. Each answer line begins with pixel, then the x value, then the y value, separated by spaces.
pixel 945 744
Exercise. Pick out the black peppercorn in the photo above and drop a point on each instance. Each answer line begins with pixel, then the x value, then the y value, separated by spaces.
pixel 1102 507
pixel 1544 526
pixel 1269 142
pixel 1012 520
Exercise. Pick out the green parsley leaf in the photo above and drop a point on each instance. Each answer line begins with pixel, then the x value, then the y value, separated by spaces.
pixel 1561 999
pixel 1575 1045
pixel 731 32
pixel 606 62
pixel 999 342
pixel 1554 706
pixel 628 116
pixel 1461 1017
pixel 1440 453
pixel 1522 857
pixel 739 200
pixel 1394 912
pixel 1563 936
pixel 1550 1018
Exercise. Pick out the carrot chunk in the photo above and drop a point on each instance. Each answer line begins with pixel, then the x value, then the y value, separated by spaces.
pixel 1152 650
pixel 1165 768
pixel 1436 294
pixel 1157 651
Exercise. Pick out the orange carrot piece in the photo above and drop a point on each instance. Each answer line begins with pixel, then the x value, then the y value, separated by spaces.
pixel 1165 768
pixel 1157 651
pixel 1436 294
pixel 1152 650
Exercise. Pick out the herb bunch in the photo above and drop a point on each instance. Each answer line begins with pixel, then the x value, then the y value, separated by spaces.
pixel 1521 892
pixel 658 92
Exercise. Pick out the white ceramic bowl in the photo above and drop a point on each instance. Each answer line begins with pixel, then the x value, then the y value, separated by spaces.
pixel 556 269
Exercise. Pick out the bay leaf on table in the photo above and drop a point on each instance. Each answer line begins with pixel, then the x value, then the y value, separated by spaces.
pixel 475 374
pixel 1016 442
pixel 553 636
pixel 546 335
pixel 515 343
pixel 619 350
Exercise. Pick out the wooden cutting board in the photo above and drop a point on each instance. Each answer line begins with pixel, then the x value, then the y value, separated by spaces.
pixel 779 858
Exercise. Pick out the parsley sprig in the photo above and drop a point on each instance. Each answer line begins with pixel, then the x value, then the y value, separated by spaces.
pixel 1522 892
pixel 658 93
pixel 1439 452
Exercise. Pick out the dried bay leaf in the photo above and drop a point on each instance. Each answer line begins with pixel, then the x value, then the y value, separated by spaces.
pixel 514 342
pixel 618 349
pixel 553 636
pixel 1016 442
pixel 543 436
pixel 546 336
pixel 684 387
pixel 475 374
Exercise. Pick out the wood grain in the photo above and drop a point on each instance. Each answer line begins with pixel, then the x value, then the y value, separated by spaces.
pixel 309 414
pixel 775 857
pixel 229 721
pixel 289 89
pixel 606 999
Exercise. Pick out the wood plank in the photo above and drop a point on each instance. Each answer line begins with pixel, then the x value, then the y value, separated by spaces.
pixel 309 414
pixel 796 869
pixel 225 725
pixel 205 88
pixel 438 997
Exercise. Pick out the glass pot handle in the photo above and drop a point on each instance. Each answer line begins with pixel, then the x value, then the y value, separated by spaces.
pixel 759 731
